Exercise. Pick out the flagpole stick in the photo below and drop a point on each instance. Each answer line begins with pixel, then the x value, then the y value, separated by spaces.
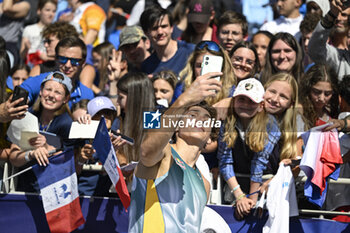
pixel 28 168
pixel 17 174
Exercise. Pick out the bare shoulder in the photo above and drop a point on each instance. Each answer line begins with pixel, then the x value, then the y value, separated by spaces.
pixel 159 169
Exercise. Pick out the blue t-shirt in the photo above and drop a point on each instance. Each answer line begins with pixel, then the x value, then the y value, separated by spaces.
pixel 9 82
pixel 32 85
pixel 153 65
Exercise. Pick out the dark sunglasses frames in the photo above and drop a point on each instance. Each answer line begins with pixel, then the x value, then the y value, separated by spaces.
pixel 73 61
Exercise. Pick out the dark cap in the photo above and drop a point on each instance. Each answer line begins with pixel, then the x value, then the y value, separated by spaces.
pixel 200 11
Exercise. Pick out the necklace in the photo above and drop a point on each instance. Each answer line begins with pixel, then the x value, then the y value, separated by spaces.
pixel 44 127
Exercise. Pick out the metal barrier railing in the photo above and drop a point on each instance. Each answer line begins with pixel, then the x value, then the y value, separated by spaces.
pixel 215 194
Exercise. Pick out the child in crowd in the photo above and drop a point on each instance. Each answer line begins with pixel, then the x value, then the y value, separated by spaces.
pixel 32 47
pixel 246 140
pixel 318 97
pixel 18 74
pixel 232 29
pixel 101 55
pixel 281 101
pixel 90 182
pixel 164 85
pixel 261 41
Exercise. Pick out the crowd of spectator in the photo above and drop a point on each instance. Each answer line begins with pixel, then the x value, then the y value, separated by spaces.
pixel 285 70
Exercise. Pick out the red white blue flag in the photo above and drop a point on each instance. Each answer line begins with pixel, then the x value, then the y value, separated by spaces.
pixel 59 190
pixel 106 154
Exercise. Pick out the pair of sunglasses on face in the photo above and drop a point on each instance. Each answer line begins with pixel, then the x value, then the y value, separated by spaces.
pixel 73 61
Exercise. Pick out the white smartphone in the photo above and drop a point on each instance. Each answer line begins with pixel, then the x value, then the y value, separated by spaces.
pixel 212 63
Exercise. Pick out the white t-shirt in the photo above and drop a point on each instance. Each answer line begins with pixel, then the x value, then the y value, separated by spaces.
pixel 283 24
pixel 281 201
pixel 33 34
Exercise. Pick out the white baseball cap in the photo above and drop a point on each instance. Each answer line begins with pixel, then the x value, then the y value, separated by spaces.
pixel 252 88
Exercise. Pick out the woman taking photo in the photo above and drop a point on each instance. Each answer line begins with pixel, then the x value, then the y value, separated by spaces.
pixel 194 67
pixel 52 111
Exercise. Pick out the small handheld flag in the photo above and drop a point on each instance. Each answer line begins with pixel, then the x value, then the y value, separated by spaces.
pixel 59 190
pixel 106 154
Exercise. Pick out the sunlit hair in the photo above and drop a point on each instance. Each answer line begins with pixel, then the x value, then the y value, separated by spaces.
pixel 5 71
pixel 318 73
pixel 287 122
pixel 256 134
pixel 105 51
pixel 228 78
pixel 297 69
pixel 140 97
pixel 60 30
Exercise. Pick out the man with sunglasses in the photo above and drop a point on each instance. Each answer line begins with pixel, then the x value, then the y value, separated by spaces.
pixel 70 57
pixel 169 54
pixel 52 34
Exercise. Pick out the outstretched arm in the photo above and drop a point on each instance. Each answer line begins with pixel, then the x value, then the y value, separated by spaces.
pixel 152 147
pixel 15 9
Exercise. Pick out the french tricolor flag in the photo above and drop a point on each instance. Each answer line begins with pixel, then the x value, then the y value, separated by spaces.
pixel 106 154
pixel 59 190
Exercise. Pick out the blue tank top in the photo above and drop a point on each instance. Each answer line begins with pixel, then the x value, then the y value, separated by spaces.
pixel 180 193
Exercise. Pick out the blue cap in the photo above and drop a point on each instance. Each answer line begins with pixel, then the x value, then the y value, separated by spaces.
pixel 65 81
pixel 99 103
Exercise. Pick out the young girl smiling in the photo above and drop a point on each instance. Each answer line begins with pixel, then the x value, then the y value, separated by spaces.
pixel 246 140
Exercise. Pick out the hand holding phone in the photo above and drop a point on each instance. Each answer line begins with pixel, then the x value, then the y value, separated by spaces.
pixel 212 63
pixel 129 140
pixel 18 93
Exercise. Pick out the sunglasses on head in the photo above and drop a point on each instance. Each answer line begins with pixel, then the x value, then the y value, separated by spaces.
pixel 73 61
pixel 211 45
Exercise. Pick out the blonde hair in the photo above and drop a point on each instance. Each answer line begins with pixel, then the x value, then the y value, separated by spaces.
pixel 228 78
pixel 256 135
pixel 288 123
